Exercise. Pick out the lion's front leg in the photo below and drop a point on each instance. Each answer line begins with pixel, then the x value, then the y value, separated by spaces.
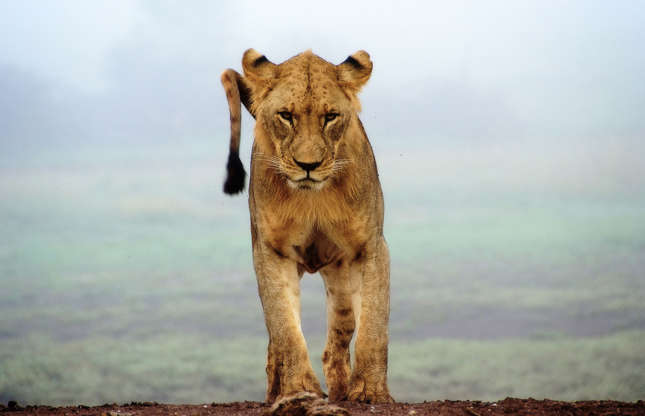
pixel 368 381
pixel 288 368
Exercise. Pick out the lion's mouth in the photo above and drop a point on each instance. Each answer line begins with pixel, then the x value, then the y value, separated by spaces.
pixel 306 183
pixel 308 179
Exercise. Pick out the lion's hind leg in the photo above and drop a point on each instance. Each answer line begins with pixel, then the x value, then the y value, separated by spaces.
pixel 368 381
pixel 341 323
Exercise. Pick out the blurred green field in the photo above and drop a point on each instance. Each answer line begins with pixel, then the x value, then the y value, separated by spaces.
pixel 191 368
pixel 127 276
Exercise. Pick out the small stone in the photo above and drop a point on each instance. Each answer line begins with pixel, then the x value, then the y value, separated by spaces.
pixel 113 413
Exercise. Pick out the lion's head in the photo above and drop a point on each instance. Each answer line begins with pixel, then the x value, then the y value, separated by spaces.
pixel 303 108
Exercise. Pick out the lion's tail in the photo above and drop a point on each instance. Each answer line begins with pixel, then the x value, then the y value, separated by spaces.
pixel 235 173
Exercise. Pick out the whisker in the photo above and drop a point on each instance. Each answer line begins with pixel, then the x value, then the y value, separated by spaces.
pixel 339 165
pixel 271 162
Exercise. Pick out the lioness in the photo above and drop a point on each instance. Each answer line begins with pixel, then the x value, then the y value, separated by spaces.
pixel 316 205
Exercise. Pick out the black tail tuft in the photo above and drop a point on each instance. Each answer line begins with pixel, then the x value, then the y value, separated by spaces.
pixel 235 174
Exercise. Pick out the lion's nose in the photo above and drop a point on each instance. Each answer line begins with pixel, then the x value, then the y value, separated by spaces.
pixel 307 166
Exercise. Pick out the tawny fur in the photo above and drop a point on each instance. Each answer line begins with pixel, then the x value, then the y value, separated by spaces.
pixel 316 205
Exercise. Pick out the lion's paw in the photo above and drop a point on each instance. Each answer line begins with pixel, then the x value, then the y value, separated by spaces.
pixel 361 391
pixel 305 404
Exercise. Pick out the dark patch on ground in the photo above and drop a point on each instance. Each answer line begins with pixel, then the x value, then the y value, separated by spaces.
pixel 499 323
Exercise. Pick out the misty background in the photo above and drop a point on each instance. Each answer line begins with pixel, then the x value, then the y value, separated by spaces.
pixel 509 139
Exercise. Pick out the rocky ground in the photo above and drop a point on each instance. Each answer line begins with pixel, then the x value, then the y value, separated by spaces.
pixel 509 406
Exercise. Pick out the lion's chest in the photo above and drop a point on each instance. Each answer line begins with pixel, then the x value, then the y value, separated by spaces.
pixel 318 233
pixel 316 252
pixel 311 248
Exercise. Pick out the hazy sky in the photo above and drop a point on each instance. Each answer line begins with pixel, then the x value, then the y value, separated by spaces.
pixel 469 71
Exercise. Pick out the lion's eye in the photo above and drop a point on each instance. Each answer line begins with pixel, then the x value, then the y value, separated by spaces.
pixel 330 117
pixel 286 115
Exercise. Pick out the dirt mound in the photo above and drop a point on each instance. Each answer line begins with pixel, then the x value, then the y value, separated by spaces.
pixel 505 407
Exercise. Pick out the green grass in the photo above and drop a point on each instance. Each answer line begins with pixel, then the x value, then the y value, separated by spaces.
pixel 166 368
pixel 559 368
pixel 196 369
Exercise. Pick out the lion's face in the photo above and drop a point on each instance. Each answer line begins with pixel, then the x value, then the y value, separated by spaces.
pixel 303 108
pixel 306 115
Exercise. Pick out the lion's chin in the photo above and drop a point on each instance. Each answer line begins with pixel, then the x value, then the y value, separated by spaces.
pixel 306 184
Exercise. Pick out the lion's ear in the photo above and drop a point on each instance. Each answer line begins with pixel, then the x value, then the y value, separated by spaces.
pixel 355 71
pixel 257 68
